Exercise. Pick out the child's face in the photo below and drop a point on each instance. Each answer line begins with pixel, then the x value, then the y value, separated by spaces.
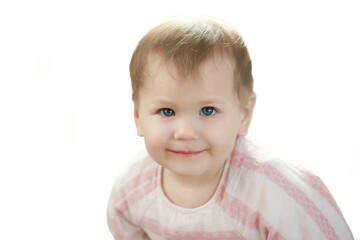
pixel 190 125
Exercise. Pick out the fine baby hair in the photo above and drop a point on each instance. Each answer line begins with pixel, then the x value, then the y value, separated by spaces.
pixel 186 41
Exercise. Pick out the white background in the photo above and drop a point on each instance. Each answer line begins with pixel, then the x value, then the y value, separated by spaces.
pixel 66 125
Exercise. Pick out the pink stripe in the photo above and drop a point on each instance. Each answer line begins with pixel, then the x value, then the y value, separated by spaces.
pixel 135 196
pixel 242 160
pixel 242 213
pixel 119 229
pixel 316 183
pixel 155 227
pixel 133 191
pixel 135 183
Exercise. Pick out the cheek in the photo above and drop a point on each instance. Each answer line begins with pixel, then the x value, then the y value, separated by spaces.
pixel 155 134
pixel 222 137
pixel 222 140
pixel 223 129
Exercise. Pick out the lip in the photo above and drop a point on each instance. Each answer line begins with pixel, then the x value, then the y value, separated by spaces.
pixel 181 153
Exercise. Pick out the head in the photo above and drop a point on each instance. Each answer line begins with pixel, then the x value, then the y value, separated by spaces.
pixel 186 42
pixel 192 92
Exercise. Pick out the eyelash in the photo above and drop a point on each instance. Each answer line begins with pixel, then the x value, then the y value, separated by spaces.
pixel 213 111
pixel 161 112
pixel 168 112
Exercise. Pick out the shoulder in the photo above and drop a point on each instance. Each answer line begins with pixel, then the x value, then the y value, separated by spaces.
pixel 289 198
pixel 140 174
pixel 256 158
pixel 139 169
pixel 134 187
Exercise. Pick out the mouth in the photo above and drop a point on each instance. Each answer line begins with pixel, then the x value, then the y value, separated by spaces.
pixel 181 153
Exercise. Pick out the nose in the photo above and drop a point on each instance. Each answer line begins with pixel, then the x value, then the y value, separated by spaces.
pixel 185 130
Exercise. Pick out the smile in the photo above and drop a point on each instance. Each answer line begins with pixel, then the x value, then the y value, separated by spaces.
pixel 186 153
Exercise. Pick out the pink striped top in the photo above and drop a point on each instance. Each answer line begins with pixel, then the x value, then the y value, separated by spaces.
pixel 258 197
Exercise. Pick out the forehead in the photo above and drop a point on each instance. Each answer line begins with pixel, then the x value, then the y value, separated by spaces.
pixel 214 78
pixel 218 63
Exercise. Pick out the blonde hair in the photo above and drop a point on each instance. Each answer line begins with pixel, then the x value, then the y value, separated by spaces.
pixel 186 41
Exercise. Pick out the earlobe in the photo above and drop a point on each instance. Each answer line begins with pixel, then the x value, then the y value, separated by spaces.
pixel 247 112
pixel 137 123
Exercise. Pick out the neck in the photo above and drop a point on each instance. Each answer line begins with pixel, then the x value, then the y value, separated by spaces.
pixel 190 192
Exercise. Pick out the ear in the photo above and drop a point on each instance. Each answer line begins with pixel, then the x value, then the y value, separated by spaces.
pixel 137 122
pixel 247 112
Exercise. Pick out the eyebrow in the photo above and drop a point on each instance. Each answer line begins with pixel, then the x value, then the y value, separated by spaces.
pixel 212 101
pixel 205 102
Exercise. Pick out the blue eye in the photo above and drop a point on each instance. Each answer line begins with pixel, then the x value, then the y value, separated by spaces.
pixel 207 111
pixel 167 112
